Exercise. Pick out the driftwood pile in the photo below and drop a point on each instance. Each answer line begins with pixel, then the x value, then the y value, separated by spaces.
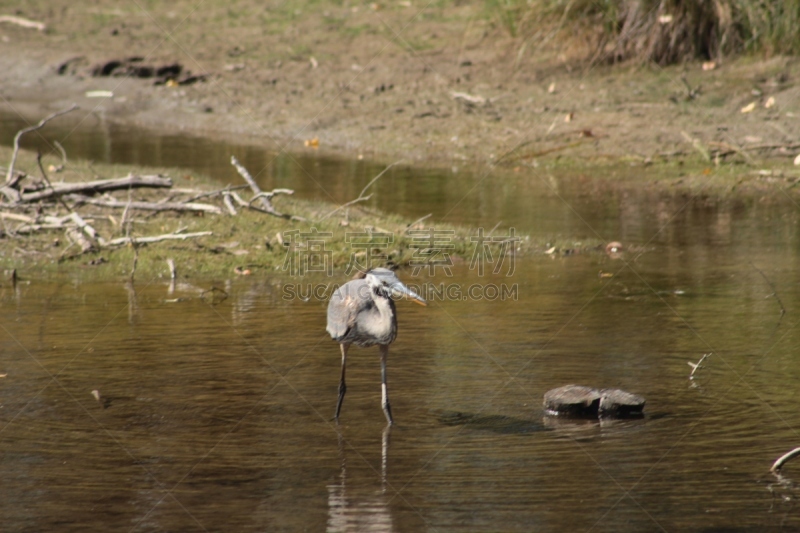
pixel 29 204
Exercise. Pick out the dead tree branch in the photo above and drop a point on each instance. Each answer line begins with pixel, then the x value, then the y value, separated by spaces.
pixel 266 203
pixel 147 206
pixel 361 197
pixel 131 181
pixel 23 22
pixel 47 180
pixel 698 364
pixel 226 199
pixel 772 286
pixel 158 238
pixel 777 465
pixel 216 193
pixel 420 219
pixel 10 179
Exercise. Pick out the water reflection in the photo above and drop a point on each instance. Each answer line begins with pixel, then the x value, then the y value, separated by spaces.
pixel 219 407
pixel 228 402
pixel 536 202
pixel 360 509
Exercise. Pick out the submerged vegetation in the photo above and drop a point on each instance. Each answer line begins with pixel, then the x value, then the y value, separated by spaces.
pixel 658 31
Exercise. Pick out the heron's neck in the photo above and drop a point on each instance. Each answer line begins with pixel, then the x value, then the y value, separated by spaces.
pixel 384 306
pixel 381 300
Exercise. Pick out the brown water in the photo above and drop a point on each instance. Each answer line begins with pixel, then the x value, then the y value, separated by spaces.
pixel 216 416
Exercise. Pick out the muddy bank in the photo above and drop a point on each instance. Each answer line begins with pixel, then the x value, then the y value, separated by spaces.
pixel 439 85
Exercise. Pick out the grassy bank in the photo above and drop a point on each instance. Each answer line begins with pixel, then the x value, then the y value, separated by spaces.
pixel 36 240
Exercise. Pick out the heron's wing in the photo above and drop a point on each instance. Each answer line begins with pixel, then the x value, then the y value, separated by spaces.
pixel 342 313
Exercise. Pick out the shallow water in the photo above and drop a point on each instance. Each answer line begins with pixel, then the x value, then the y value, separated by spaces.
pixel 216 415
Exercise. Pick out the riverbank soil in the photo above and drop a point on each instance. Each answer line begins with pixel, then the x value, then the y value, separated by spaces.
pixel 439 82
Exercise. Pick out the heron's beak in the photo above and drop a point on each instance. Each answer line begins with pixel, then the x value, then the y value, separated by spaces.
pixel 399 290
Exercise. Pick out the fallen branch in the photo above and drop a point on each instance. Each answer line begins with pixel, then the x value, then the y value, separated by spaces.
pixel 60 167
pixel 361 197
pixel 173 272
pixel 131 181
pixel 47 180
pixel 226 199
pixel 25 23
pixel 17 217
pixel 266 203
pixel 733 147
pixel 691 92
pixel 147 240
pixel 147 206
pixel 772 286
pixel 777 465
pixel 697 145
pixel 77 237
pixel 697 365
pixel 469 99
pixel 420 219
pixel 215 193
pixel 10 178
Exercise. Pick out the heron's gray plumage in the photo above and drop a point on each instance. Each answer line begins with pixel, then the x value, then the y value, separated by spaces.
pixel 362 312
pixel 361 315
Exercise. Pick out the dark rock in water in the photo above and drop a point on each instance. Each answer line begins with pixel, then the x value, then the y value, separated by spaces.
pixel 618 403
pixel 572 400
pixel 579 401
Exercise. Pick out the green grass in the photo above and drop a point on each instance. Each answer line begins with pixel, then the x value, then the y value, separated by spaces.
pixel 660 31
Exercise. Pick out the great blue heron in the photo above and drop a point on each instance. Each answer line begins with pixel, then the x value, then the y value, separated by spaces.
pixel 362 312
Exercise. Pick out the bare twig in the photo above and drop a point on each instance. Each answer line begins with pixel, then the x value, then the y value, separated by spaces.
pixel 135 257
pixel 82 224
pixel 361 197
pixel 238 199
pixel 17 217
pixel 173 272
pixel 772 286
pixel 127 182
pixel 691 92
pixel 420 219
pixel 348 204
pixel 470 99
pixel 77 236
pixel 173 276
pixel 226 199
pixel 698 364
pixel 10 182
pixel 148 206
pixel 733 147
pixel 270 194
pixel 127 222
pixel 47 180
pixel 217 192
pixel 697 145
pixel 63 153
pixel 777 465
pixel 157 238
pixel 23 22
pixel 266 204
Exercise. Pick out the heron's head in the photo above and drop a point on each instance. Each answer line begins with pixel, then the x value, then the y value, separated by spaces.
pixel 384 280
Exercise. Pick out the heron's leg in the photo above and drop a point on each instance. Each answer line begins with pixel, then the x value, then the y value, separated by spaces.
pixel 387 409
pixel 342 387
